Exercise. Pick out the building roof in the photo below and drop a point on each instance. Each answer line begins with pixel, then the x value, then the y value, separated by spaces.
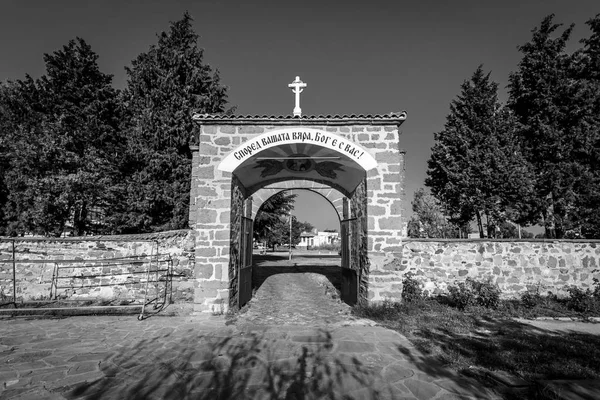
pixel 375 119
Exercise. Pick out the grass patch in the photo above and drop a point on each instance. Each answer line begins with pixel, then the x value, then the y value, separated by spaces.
pixel 490 339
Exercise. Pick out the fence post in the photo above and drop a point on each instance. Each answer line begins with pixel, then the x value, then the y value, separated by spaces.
pixel 14 275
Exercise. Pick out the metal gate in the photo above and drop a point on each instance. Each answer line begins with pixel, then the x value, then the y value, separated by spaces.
pixel 349 292
pixel 245 263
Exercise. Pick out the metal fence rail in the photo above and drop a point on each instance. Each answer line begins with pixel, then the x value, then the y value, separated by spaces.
pixel 69 275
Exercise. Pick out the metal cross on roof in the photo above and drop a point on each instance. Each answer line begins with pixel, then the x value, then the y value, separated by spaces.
pixel 297 86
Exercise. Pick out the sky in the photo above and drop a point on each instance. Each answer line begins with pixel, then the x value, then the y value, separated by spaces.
pixel 357 57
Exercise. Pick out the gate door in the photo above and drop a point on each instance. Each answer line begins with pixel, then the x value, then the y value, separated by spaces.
pixel 349 285
pixel 245 263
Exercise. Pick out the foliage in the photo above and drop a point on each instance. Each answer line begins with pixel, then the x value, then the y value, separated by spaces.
pixel 411 289
pixel 165 86
pixel 328 247
pixel 269 223
pixel 428 219
pixel 60 146
pixel 555 97
pixel 509 230
pixel 474 293
pixel 476 168
pixel 583 301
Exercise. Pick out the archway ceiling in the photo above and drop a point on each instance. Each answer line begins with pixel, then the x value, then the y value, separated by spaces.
pixel 300 161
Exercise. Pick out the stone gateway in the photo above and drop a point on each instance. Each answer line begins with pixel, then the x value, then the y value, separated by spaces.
pixel 355 162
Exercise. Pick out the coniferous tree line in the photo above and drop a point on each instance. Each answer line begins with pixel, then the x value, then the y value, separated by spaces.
pixel 78 155
pixel 535 159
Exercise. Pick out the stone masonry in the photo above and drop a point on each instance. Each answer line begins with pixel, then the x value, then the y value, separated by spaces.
pixel 516 266
pixel 211 189
pixel 101 267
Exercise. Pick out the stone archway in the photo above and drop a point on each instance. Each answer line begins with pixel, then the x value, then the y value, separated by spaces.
pixel 239 156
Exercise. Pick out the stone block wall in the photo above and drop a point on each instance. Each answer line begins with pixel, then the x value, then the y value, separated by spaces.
pixel 106 267
pixel 516 266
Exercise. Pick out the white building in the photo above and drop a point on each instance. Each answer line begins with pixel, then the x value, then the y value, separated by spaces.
pixel 316 238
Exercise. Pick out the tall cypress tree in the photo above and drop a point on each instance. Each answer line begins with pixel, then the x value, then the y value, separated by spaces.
pixel 544 95
pixel 63 145
pixel 165 86
pixel 476 168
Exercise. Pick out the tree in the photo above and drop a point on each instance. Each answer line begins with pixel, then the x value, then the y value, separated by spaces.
pixel 64 143
pixel 270 219
pixel 546 96
pixel 428 219
pixel 165 86
pixel 587 72
pixel 476 167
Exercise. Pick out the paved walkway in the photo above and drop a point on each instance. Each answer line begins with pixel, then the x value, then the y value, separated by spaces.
pixel 294 342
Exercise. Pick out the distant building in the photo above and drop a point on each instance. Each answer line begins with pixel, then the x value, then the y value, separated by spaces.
pixel 316 238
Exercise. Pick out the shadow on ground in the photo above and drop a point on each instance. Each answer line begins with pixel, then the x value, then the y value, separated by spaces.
pixel 230 367
pixel 260 273
pixel 515 349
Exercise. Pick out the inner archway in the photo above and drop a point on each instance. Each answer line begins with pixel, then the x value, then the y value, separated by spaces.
pixel 307 236
pixel 334 172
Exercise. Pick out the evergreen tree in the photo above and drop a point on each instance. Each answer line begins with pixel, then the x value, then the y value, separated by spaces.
pixel 165 86
pixel 587 70
pixel 429 220
pixel 63 145
pixel 476 168
pixel 545 95
pixel 270 219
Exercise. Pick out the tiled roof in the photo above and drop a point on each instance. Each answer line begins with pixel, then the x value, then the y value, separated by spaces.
pixel 368 118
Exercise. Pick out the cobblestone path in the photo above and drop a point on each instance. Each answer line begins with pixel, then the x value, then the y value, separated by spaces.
pixel 295 299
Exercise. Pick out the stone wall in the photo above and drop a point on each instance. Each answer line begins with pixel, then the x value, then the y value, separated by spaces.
pixel 516 266
pixel 103 267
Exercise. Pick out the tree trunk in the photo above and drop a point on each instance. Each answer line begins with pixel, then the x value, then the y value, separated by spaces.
pixel 479 224
pixel 549 225
pixel 79 219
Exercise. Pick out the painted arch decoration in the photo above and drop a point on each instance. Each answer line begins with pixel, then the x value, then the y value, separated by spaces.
pixel 296 160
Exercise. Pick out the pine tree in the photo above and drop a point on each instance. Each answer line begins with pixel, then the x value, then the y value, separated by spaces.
pixel 63 145
pixel 428 219
pixel 544 95
pixel 270 219
pixel 476 168
pixel 165 86
pixel 586 67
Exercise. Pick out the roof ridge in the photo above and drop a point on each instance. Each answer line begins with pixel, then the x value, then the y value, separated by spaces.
pixel 391 115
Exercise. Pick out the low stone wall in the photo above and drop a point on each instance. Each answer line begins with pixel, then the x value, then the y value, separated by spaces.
pixel 516 266
pixel 98 267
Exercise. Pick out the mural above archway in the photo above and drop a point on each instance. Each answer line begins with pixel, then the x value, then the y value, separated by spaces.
pixel 299 153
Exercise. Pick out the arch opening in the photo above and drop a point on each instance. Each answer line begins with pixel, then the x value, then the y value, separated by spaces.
pixel 345 270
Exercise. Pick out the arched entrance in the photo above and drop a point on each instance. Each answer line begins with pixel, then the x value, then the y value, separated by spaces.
pixel 355 161
pixel 299 156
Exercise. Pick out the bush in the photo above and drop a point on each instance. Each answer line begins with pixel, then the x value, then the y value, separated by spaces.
pixel 327 246
pixel 411 289
pixel 583 301
pixel 531 299
pixel 474 293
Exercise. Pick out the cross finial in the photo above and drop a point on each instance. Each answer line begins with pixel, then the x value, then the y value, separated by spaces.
pixel 297 86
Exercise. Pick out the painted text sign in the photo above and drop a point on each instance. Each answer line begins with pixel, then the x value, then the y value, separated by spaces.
pixel 298 135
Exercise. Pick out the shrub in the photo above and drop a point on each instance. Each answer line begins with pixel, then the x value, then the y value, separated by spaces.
pixel 531 299
pixel 461 296
pixel 411 289
pixel 474 293
pixel 582 301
